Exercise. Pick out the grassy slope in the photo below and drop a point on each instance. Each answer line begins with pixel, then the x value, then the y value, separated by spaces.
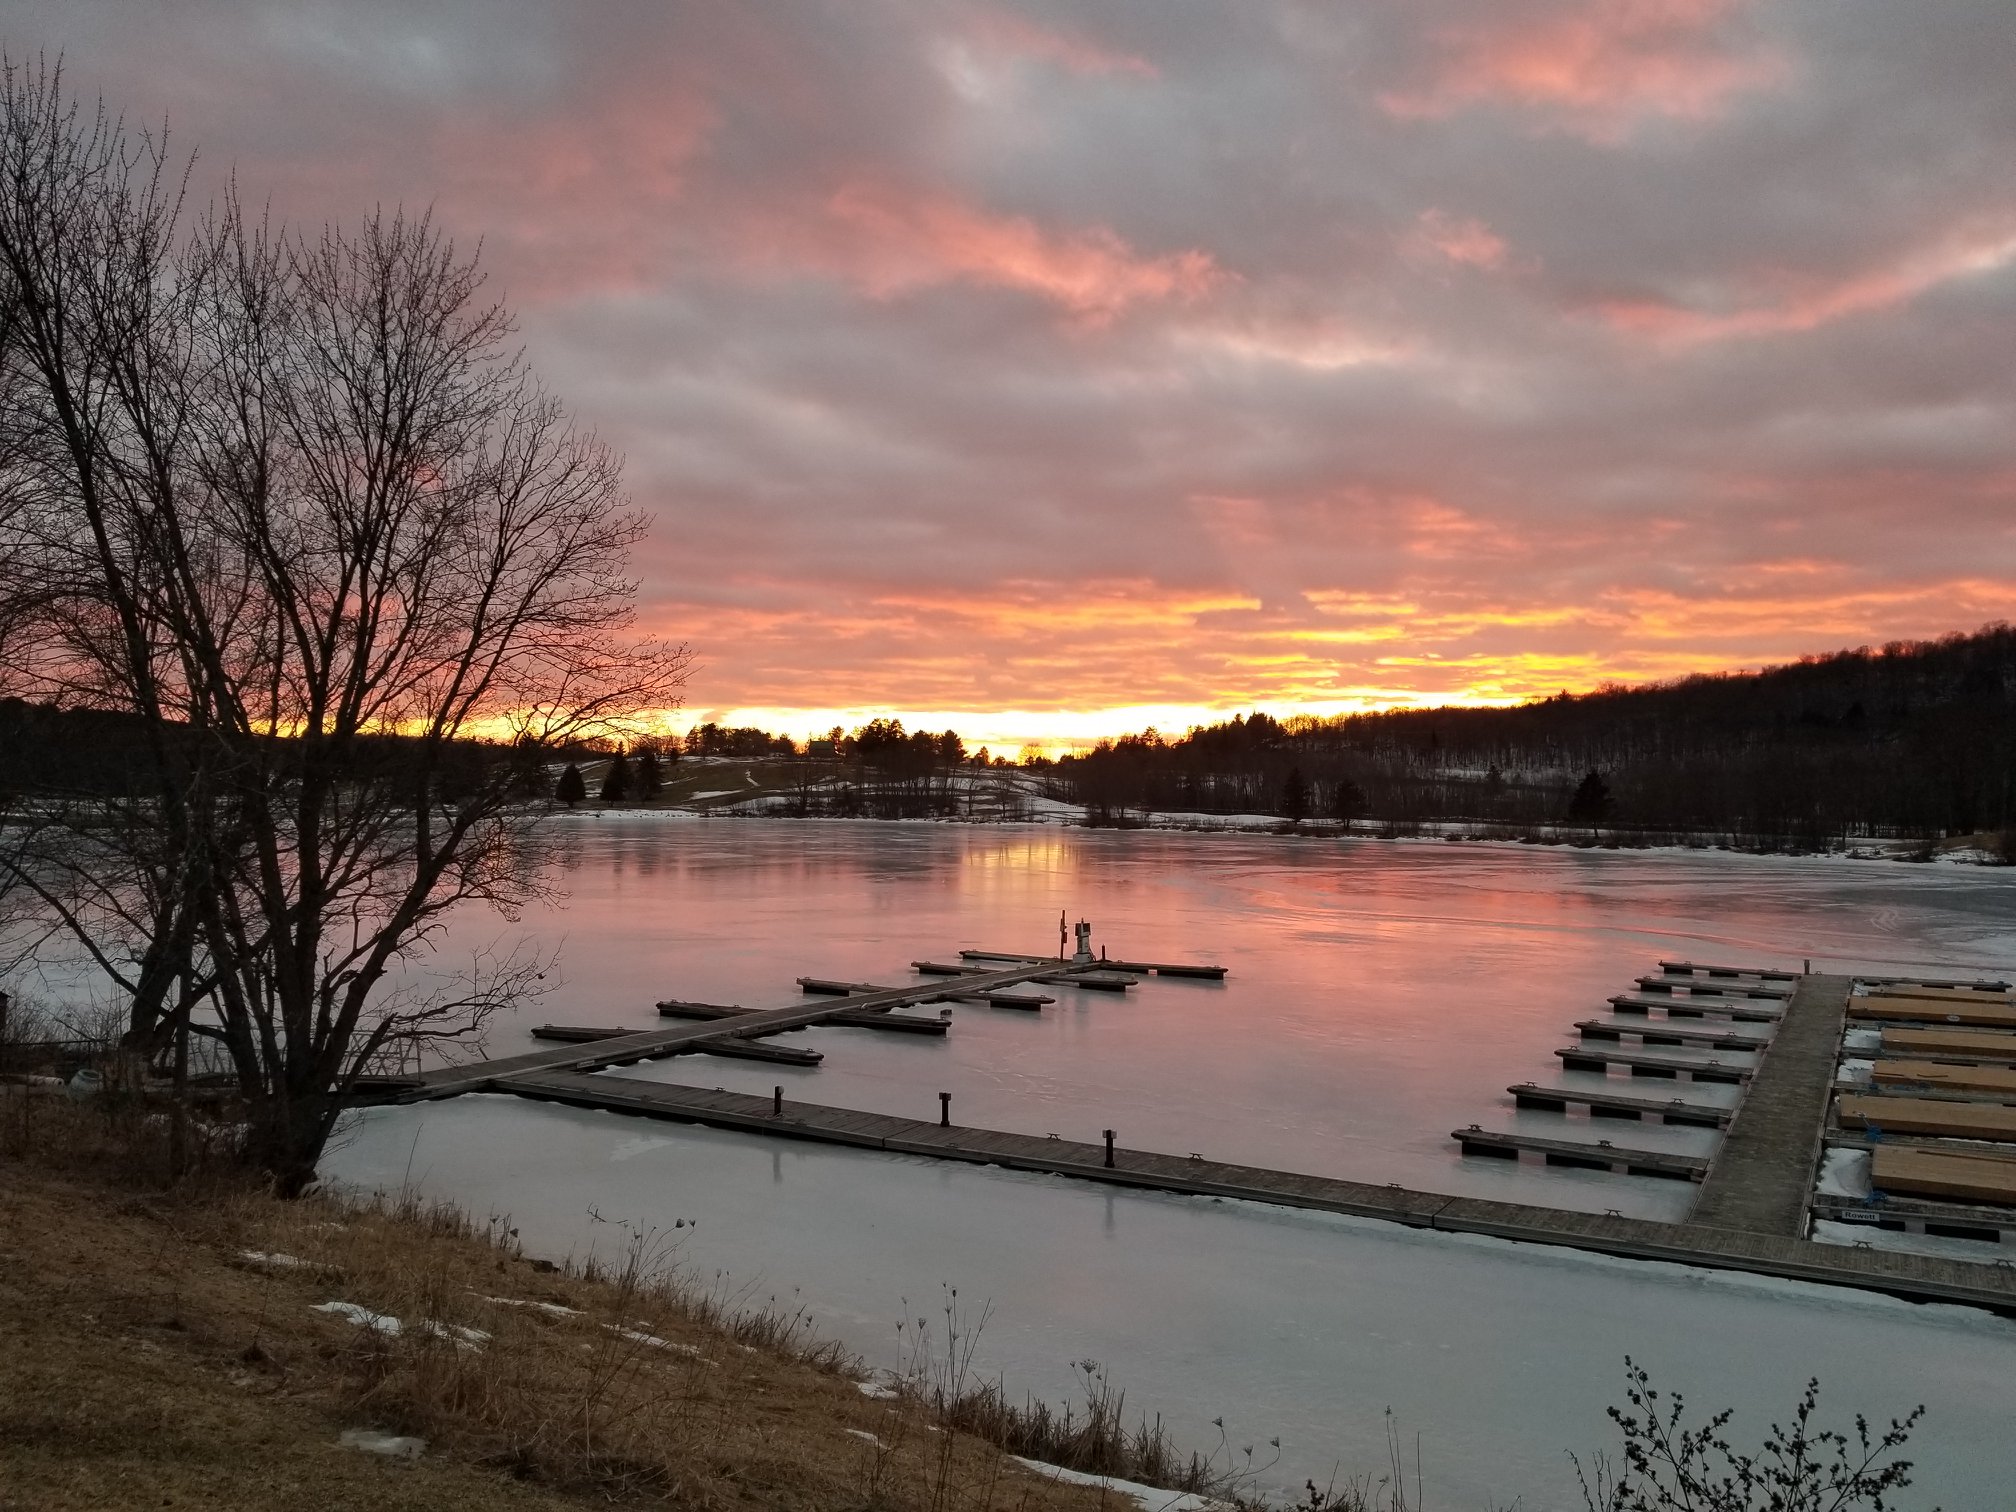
pixel 145 1362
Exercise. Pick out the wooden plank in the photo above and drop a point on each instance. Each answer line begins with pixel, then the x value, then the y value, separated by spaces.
pixel 782 1055
pixel 1968 1044
pixel 1949 994
pixel 1998 1080
pixel 1722 1038
pixel 448 1081
pixel 1919 1115
pixel 1765 973
pixel 1599 1155
pixel 1984 1015
pixel 1761 1178
pixel 1686 987
pixel 1650 1063
pixel 1159 968
pixel 1692 1005
pixel 1098 978
pixel 1672 1110
pixel 1940 1173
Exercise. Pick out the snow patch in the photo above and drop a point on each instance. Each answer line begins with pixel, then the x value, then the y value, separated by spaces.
pixel 652 1341
pixel 1152 1498
pixel 877 1390
pixel 272 1261
pixel 551 1309
pixel 372 1442
pixel 1844 1173
pixel 1862 1039
pixel 863 1433
pixel 363 1317
pixel 1857 1071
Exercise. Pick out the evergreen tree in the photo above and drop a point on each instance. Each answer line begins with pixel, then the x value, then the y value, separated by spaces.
pixel 571 789
pixel 1347 802
pixel 1295 796
pixel 616 781
pixel 647 779
pixel 1591 803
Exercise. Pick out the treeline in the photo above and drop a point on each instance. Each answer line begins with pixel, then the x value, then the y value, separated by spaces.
pixel 1913 739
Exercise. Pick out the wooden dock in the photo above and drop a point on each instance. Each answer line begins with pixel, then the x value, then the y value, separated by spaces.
pixel 1998 1082
pixel 1955 1044
pixel 851 1018
pixel 449 1081
pixel 1761 1177
pixel 1685 987
pixel 1649 1033
pixel 1138 968
pixel 1731 973
pixel 831 987
pixel 1960 1176
pixel 1647 1063
pixel 730 1049
pixel 1927 1116
pixel 1985 1012
pixel 1672 1110
pixel 1917 1277
pixel 1676 1005
pixel 1100 977
pixel 1602 1155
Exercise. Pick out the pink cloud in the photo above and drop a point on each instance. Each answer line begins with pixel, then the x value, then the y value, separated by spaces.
pixel 1592 65
pixel 1784 302
pixel 1459 239
pixel 1073 52
pixel 890 241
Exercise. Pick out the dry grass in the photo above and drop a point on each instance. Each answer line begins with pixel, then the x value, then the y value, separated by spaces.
pixel 148 1360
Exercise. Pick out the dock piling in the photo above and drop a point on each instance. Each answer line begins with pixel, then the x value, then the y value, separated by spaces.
pixel 776 1102
pixel 1109 1148
pixel 944 1110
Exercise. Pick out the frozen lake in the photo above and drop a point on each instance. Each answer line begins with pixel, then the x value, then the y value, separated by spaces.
pixel 1381 995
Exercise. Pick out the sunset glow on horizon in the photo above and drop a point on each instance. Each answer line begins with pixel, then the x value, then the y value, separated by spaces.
pixel 1047 372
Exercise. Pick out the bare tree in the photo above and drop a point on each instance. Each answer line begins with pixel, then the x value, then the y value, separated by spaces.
pixel 352 565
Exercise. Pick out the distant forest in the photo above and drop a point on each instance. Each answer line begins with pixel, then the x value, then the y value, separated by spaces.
pixel 1910 740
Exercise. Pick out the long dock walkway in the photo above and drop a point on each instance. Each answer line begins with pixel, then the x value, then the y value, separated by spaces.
pixel 1761 1180
pixel 1920 1278
pixel 476 1076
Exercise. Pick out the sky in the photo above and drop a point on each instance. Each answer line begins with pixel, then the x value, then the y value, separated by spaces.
pixel 1053 370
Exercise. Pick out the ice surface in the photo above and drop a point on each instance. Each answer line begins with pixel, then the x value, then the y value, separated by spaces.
pixel 1300 1325
pixel 1862 1039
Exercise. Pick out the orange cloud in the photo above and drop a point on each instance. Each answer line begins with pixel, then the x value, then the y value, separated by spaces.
pixel 893 241
pixel 1592 65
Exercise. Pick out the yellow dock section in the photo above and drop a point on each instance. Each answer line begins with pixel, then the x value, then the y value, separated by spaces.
pixel 1992 1013
pixel 1943 1076
pixel 1948 994
pixel 1967 1044
pixel 1929 1116
pixel 1952 1175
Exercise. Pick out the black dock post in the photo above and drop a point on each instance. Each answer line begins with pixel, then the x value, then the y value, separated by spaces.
pixel 1109 1149
pixel 944 1110
pixel 776 1102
